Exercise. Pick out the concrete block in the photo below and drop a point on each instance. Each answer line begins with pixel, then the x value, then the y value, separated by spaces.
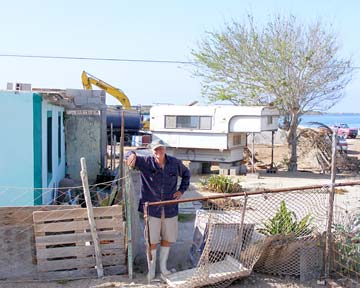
pixel 79 100
pixel 94 100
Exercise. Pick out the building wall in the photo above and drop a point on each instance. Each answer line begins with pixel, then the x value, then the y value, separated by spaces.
pixel 57 165
pixel 16 149
pixel 83 139
pixel 85 132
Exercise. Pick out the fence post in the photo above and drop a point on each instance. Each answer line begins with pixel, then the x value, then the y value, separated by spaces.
pixel 128 222
pixel 94 235
pixel 330 207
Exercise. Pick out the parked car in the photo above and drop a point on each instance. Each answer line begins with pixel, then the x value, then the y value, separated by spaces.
pixel 346 131
pixel 342 145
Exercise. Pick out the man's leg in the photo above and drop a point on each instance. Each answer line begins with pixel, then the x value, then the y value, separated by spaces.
pixel 164 254
pixel 154 234
pixel 169 231
pixel 152 262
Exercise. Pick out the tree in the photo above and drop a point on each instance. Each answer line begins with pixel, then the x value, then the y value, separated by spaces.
pixel 294 66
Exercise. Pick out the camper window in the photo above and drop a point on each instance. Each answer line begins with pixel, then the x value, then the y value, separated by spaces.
pixel 269 119
pixel 188 122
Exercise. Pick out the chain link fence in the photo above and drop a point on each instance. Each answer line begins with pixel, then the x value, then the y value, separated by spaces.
pixel 278 232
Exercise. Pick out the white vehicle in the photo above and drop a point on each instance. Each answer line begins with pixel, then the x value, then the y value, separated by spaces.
pixel 210 133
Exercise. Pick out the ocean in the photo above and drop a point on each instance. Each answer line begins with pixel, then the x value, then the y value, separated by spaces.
pixel 330 119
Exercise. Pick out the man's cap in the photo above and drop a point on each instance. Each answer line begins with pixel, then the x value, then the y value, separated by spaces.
pixel 156 144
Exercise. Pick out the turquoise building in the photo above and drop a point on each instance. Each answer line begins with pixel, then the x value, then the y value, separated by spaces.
pixel 32 148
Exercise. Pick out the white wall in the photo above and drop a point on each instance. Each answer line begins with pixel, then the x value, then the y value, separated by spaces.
pixel 58 165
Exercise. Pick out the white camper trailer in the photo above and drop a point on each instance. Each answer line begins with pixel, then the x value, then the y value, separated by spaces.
pixel 210 133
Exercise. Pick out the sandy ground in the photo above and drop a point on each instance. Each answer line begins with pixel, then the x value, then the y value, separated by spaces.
pixel 350 200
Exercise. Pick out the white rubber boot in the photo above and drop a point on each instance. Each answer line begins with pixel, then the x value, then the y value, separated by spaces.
pixel 164 254
pixel 151 273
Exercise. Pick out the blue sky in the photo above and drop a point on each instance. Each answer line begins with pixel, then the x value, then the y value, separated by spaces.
pixel 153 30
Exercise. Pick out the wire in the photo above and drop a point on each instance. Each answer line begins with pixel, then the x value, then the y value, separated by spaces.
pixel 109 59
pixel 96 59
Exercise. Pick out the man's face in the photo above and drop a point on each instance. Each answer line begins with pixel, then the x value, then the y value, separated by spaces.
pixel 159 153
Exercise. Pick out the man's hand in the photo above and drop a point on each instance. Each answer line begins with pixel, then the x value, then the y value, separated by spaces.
pixel 131 160
pixel 177 195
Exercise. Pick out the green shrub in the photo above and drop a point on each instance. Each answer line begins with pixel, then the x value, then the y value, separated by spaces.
pixel 221 184
pixel 347 244
pixel 285 222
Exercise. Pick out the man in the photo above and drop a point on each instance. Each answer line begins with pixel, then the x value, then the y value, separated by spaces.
pixel 159 182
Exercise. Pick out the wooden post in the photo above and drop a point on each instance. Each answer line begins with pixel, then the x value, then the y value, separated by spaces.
pixel 147 235
pixel 94 235
pixel 121 181
pixel 252 153
pixel 128 224
pixel 114 152
pixel 111 146
pixel 272 150
pixel 330 207
pixel 242 223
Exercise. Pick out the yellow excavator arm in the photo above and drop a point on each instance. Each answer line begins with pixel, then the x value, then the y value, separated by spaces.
pixel 88 80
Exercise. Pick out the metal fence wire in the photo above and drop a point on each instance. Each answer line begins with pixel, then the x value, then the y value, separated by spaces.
pixel 346 247
pixel 280 233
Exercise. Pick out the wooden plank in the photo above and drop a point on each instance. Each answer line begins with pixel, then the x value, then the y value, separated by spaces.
pixel 76 237
pixel 106 245
pixel 75 274
pixel 114 211
pixel 76 225
pixel 24 215
pixel 79 263
pixel 111 211
pixel 79 213
pixel 82 251
pixel 58 275
pixel 62 239
pixel 76 251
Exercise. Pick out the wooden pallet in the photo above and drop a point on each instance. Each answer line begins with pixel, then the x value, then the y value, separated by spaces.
pixel 64 248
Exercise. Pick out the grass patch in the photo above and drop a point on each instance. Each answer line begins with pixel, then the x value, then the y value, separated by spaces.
pixel 221 184
pixel 186 217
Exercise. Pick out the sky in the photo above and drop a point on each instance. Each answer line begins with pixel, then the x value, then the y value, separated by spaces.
pixel 145 30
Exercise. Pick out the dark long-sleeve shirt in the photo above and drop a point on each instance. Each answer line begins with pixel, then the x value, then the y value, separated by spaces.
pixel 159 184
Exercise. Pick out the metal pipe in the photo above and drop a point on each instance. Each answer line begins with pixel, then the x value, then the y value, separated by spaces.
pixel 331 207
pixel 257 192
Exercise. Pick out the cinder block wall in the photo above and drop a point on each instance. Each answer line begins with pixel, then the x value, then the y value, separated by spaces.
pixel 85 134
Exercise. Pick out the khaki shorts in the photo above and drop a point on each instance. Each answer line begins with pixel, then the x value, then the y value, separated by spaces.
pixel 163 229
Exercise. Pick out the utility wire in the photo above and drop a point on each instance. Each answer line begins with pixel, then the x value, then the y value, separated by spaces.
pixel 97 59
pixel 109 59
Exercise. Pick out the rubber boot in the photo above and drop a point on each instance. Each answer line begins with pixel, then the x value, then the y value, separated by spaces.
pixel 164 254
pixel 151 273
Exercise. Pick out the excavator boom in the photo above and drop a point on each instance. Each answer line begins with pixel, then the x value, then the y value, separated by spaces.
pixel 88 80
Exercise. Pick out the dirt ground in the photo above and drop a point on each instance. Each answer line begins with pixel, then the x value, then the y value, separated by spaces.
pixel 139 280
pixel 280 179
